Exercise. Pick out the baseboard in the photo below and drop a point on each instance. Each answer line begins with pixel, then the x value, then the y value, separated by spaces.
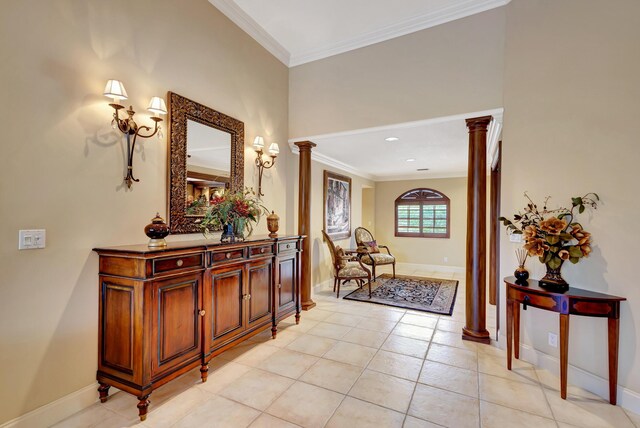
pixel 54 412
pixel 431 268
pixel 627 398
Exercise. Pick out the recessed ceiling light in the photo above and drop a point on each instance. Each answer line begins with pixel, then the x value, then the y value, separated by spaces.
pixel 411 160
pixel 390 139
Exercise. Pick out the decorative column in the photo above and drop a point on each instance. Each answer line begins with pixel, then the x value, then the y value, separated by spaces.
pixel 304 221
pixel 476 282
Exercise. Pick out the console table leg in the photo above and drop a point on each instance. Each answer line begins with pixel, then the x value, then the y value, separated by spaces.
pixel 103 390
pixel 614 332
pixel 509 332
pixel 564 354
pixel 204 372
pixel 298 317
pixel 516 330
pixel 143 406
pixel 274 330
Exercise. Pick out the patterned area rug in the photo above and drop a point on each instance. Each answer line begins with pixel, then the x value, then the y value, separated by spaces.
pixel 410 292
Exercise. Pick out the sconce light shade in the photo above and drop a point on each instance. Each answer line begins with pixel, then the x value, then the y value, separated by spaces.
pixel 115 89
pixel 157 106
pixel 258 144
pixel 274 149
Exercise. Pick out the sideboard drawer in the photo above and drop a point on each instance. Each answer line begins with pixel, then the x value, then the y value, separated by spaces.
pixel 226 256
pixel 536 300
pixel 287 246
pixel 178 263
pixel 263 250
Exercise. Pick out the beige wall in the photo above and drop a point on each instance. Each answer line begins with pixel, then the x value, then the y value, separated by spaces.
pixel 369 209
pixel 445 70
pixel 62 167
pixel 571 105
pixel 428 251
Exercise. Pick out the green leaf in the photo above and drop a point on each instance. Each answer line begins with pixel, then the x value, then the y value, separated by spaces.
pixel 575 251
pixel 566 236
pixel 547 257
pixel 517 232
pixel 555 263
pixel 576 201
pixel 574 260
pixel 581 209
pixel 553 239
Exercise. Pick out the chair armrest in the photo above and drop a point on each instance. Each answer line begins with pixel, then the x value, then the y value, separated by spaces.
pixel 386 248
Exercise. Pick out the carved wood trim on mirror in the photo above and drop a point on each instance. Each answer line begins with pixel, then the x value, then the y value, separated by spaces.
pixel 181 110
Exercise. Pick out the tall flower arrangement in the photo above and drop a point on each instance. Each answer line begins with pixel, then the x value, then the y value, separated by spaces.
pixel 239 210
pixel 554 236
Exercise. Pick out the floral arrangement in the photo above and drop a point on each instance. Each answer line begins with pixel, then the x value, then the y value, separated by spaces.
pixel 238 210
pixel 554 236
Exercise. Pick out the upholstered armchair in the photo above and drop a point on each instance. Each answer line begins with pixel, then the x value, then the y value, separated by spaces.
pixel 346 267
pixel 372 255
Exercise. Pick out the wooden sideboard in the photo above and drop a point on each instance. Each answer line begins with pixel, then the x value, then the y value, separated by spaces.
pixel 165 311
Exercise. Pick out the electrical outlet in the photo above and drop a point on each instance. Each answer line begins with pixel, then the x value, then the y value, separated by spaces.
pixel 515 237
pixel 31 239
pixel 553 340
pixel 446 259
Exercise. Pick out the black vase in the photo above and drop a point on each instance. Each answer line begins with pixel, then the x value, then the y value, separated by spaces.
pixel 521 275
pixel 227 233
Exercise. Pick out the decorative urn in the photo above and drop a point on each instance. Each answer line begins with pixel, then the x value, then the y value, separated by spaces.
pixel 272 224
pixel 157 230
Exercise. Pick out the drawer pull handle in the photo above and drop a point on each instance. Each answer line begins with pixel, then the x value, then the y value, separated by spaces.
pixel 525 302
pixel 246 297
pixel 279 285
pixel 288 246
pixel 228 255
pixel 179 263
pixel 262 250
pixel 202 312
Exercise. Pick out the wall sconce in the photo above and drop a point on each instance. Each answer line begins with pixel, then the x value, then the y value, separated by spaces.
pixel 258 146
pixel 115 90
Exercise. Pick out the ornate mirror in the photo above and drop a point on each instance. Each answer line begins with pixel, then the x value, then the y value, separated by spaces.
pixel 206 156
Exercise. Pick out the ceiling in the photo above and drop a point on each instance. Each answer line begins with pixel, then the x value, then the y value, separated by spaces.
pixel 440 144
pixel 297 32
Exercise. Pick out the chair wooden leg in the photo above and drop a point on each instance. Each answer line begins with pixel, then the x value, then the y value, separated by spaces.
pixel 373 271
pixel 394 269
pixel 334 284
pixel 369 287
pixel 338 293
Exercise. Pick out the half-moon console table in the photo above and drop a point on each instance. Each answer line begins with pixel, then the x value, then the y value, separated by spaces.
pixel 575 301
pixel 165 311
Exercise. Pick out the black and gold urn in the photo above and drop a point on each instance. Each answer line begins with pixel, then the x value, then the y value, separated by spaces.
pixel 157 230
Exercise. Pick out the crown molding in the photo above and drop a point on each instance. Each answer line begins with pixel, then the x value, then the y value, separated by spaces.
pixel 460 9
pixel 493 136
pixel 239 17
pixel 329 161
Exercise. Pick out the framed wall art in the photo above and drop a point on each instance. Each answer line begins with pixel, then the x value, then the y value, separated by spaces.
pixel 337 205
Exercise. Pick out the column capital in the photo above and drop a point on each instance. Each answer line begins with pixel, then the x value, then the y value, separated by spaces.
pixel 305 145
pixel 478 123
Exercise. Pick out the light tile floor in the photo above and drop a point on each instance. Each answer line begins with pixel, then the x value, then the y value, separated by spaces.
pixel 351 364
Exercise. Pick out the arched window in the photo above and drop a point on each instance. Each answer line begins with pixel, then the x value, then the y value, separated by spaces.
pixel 422 213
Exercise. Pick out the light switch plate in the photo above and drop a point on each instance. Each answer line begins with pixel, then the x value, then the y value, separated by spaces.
pixel 515 237
pixel 32 239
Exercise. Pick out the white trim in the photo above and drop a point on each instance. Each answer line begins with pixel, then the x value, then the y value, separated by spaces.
pixel 57 410
pixel 435 268
pixel 239 17
pixel 462 9
pixel 627 398
pixel 493 136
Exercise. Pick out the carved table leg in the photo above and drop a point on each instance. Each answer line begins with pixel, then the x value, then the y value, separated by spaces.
pixel 204 372
pixel 103 389
pixel 516 330
pixel 274 331
pixel 509 331
pixel 143 406
pixel 564 354
pixel 614 334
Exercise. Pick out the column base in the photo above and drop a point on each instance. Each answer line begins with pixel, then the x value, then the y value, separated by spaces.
pixel 476 336
pixel 308 305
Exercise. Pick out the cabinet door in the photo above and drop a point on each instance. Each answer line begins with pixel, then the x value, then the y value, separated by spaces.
pixel 286 289
pixel 260 287
pixel 175 322
pixel 227 304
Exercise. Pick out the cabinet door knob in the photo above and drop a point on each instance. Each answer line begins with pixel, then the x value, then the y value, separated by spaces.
pixel 179 263
pixel 202 312
pixel 288 246
pixel 279 285
pixel 246 297
pixel 228 255
pixel 262 250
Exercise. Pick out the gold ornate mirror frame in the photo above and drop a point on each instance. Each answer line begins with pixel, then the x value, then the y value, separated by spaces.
pixel 181 109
